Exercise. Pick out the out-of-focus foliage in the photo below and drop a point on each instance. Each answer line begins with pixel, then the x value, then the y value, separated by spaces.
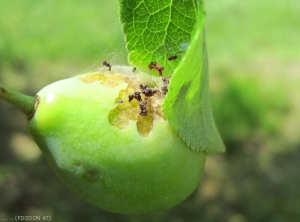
pixel 246 106
pixel 253 50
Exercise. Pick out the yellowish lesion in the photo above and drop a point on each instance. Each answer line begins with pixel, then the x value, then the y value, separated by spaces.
pixel 127 111
pixel 90 78
pixel 110 80
pixel 144 124
pixel 110 83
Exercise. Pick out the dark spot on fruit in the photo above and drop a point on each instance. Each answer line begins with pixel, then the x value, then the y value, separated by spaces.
pixel 77 163
pixel 93 173
pixel 133 69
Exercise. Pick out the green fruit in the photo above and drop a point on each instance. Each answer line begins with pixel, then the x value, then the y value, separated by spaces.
pixel 99 145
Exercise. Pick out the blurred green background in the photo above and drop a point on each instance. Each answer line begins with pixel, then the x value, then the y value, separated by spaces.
pixel 254 55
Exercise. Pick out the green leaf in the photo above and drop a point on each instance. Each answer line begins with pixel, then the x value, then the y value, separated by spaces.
pixel 187 104
pixel 156 30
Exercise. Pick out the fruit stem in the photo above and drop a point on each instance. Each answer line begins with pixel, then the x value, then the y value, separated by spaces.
pixel 21 101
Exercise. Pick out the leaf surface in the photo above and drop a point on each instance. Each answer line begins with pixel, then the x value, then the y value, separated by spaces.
pixel 187 103
pixel 156 30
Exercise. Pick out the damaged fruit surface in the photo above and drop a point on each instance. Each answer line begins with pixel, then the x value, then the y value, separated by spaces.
pixel 105 136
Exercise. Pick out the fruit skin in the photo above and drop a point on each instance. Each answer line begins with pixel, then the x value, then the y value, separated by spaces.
pixel 115 169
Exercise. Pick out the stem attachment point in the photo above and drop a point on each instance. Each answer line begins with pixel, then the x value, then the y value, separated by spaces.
pixel 36 105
